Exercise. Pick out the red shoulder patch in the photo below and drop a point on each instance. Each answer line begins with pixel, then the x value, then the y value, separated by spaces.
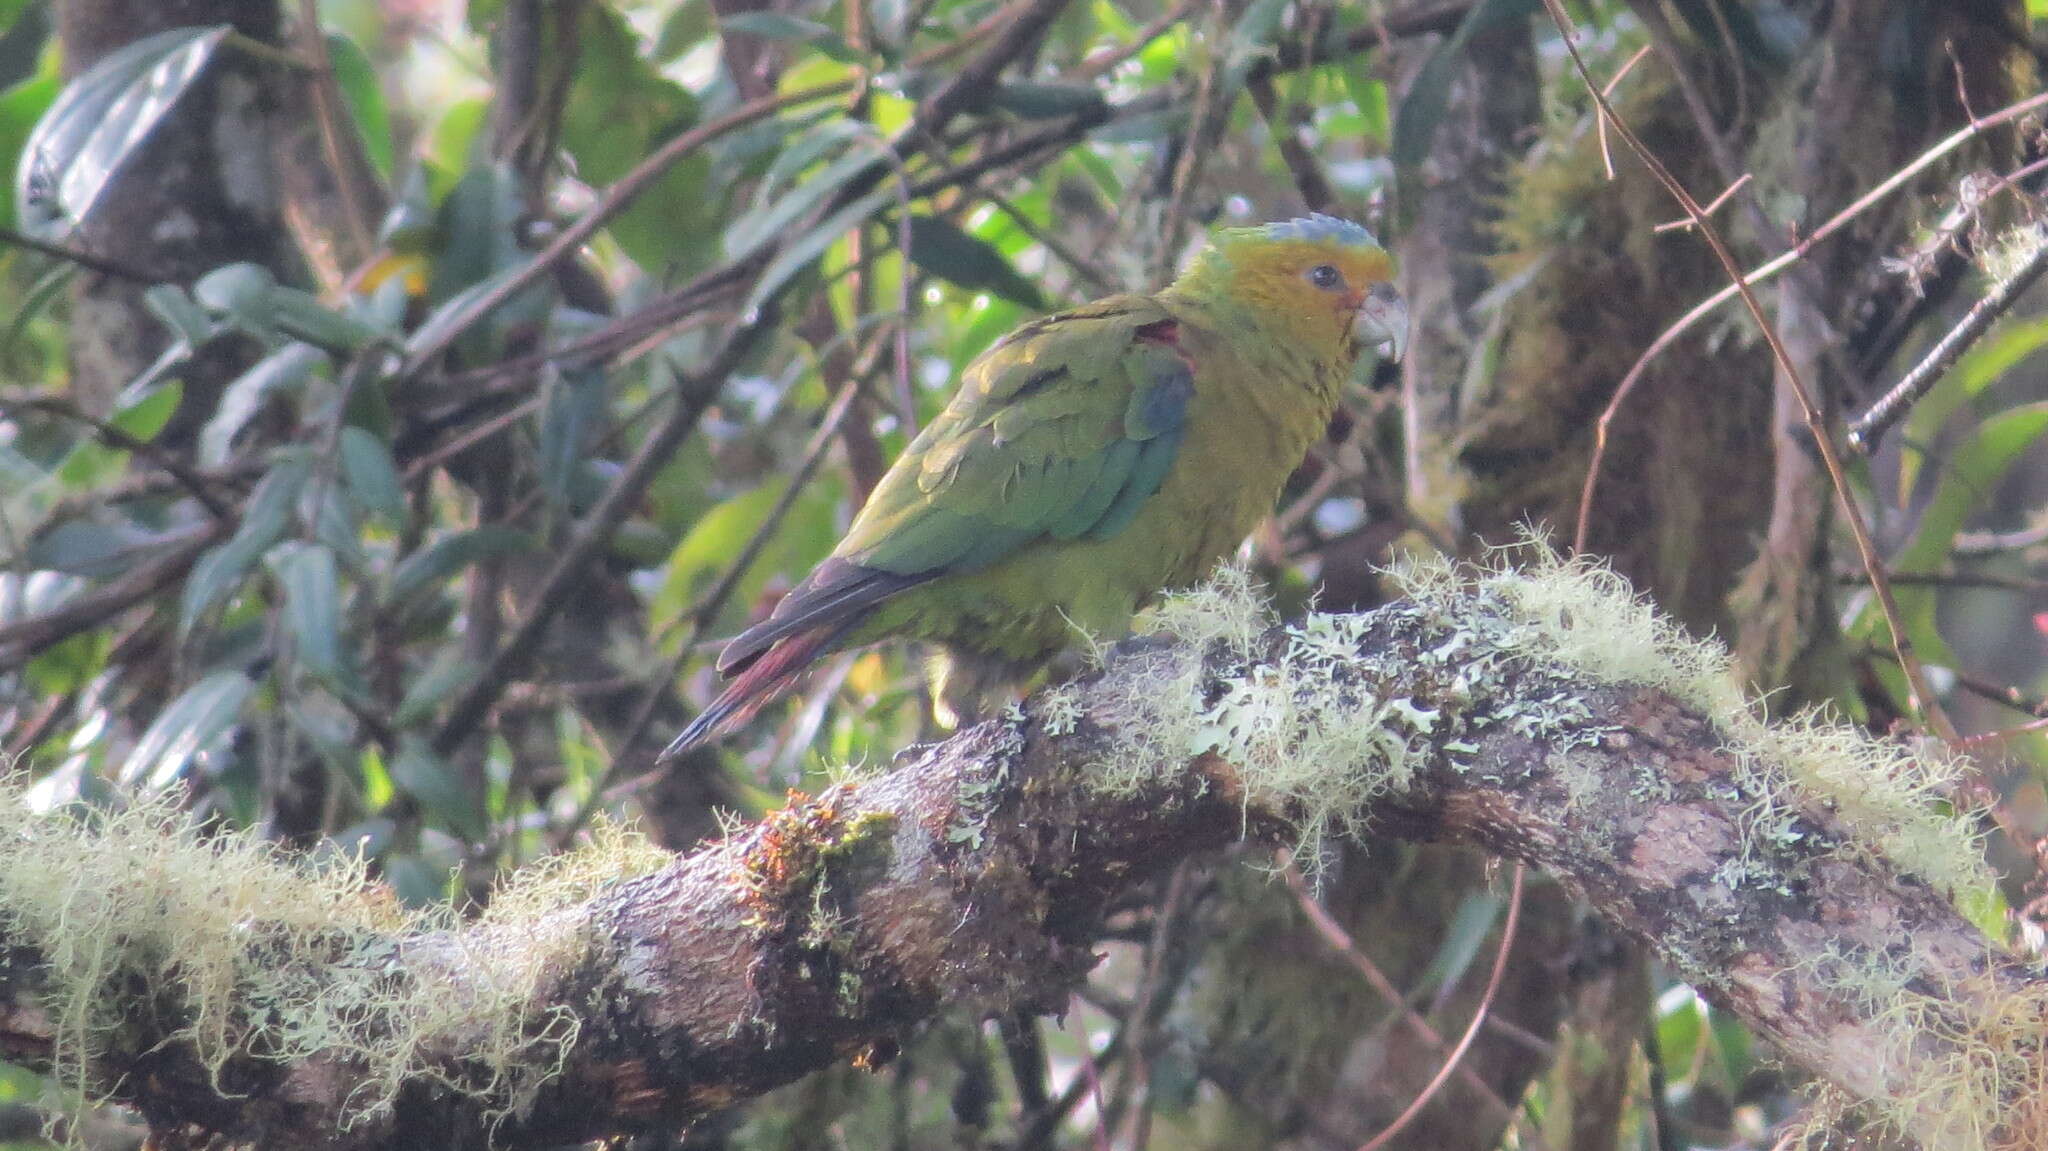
pixel 1160 332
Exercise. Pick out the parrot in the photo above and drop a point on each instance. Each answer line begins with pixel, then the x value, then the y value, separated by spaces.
pixel 1089 460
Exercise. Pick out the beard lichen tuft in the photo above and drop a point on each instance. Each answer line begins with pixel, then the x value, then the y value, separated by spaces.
pixel 1897 800
pixel 1302 723
pixel 258 955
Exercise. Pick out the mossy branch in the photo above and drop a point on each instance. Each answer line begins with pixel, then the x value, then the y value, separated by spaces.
pixel 1802 875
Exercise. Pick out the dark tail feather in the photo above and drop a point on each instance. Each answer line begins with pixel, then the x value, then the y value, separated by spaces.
pixel 764 681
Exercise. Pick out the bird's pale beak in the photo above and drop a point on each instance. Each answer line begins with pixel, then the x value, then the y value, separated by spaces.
pixel 1383 321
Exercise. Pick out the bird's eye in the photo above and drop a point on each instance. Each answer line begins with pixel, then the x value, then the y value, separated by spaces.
pixel 1326 277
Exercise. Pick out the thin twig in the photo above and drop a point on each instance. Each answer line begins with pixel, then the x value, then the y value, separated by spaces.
pixel 1712 207
pixel 1211 106
pixel 1998 543
pixel 1871 426
pixel 1953 579
pixel 2002 693
pixel 1600 122
pixel 1065 132
pixel 1020 23
pixel 1985 737
pixel 692 395
pixel 1150 999
pixel 24 638
pixel 327 117
pixel 619 196
pixel 86 260
pixel 1922 698
pixel 1347 948
pixel 708 610
pixel 1766 271
pixel 470 437
pixel 1045 238
pixel 1101 61
pixel 1309 181
pixel 1500 967
pixel 193 483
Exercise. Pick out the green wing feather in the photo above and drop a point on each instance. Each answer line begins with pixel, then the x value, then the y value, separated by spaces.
pixel 1062 430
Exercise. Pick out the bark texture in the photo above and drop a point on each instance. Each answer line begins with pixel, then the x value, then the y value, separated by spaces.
pixel 976 872
pixel 200 192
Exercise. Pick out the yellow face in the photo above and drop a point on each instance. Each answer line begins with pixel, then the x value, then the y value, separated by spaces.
pixel 1334 291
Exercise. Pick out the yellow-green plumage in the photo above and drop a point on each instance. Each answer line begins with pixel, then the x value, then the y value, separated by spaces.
pixel 1089 460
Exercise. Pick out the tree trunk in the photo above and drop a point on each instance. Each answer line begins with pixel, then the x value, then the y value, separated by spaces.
pixel 200 192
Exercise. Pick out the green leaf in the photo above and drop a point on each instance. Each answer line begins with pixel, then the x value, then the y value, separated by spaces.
pixel 420 882
pixel 476 226
pixel 268 515
pixel 188 322
pixel 789 29
pixel 1429 94
pixel 298 314
pixel 447 674
pixel 805 250
pixel 1034 101
pixel 90 464
pixel 809 146
pixel 45 291
pixel 371 475
pixel 1980 463
pixel 687 25
pixel 248 296
pixel 620 109
pixel 1983 365
pixel 1978 466
pixel 20 107
pixel 439 561
pixel 283 371
pixel 189 726
pixel 363 91
pixel 11 10
pixel 237 291
pixel 100 119
pixel 69 665
pixel 753 231
pixel 432 782
pixel 805 536
pixel 312 606
pixel 945 251
pixel 144 414
pixel 482 12
pixel 441 319
pixel 1681 1024
pixel 90 549
pixel 575 403
pixel 1470 925
pixel 1252 35
pixel 1369 95
pixel 452 142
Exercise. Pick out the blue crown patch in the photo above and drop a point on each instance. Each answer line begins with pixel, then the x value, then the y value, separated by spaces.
pixel 1317 228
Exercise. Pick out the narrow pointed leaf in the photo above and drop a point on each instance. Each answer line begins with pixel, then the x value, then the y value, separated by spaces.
pixel 945 251
pixel 100 119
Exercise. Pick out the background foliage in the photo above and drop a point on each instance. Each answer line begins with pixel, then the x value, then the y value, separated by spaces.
pixel 569 334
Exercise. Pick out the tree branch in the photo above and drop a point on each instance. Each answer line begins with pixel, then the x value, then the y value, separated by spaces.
pixel 1792 872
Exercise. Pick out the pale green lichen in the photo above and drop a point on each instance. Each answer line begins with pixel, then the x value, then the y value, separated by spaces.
pixel 1305 733
pixel 1974 1047
pixel 266 956
pixel 1315 730
pixel 1059 709
pixel 1896 799
pixel 2012 251
pixel 1313 736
